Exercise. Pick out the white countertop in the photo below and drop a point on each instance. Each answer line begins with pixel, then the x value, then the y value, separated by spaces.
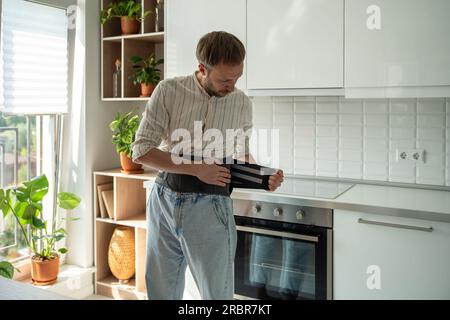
pixel 398 198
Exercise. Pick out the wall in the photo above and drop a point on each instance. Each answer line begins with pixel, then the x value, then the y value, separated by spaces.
pixel 87 143
pixel 357 139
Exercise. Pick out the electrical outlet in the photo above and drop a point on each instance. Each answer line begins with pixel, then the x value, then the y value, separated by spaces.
pixel 410 155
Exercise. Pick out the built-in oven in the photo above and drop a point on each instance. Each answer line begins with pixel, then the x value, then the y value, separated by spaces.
pixel 284 251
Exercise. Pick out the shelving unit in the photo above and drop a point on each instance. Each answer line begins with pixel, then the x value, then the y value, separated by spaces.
pixel 130 199
pixel 115 46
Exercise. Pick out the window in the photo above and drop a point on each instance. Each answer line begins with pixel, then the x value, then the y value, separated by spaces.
pixel 17 164
pixel 33 94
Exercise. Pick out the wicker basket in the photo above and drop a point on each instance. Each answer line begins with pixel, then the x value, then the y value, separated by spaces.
pixel 121 253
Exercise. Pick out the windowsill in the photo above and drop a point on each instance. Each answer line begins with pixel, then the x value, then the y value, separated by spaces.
pixel 73 282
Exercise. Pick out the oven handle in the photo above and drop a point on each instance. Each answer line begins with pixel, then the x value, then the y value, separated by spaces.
pixel 278 233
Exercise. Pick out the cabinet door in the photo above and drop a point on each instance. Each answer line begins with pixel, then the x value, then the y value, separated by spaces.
pixel 295 44
pixel 188 21
pixel 395 43
pixel 381 262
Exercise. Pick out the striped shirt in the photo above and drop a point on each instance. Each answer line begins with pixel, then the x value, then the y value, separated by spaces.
pixel 177 103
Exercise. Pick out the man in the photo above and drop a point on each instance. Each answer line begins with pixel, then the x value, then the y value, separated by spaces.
pixel 190 216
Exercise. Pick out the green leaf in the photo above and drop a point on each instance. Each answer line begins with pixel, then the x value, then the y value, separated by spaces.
pixel 29 213
pixel 113 125
pixel 22 193
pixel 37 183
pixel 38 223
pixel 37 205
pixel 61 230
pixel 58 237
pixel 38 194
pixel 4 207
pixel 67 200
pixel 6 269
pixel 70 219
pixel 62 250
pixel 135 59
pixel 19 208
pixel 2 195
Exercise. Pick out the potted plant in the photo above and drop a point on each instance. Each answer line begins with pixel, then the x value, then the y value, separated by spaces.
pixel 128 11
pixel 147 75
pixel 124 129
pixel 25 204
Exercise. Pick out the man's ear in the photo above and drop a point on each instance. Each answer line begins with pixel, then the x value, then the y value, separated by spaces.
pixel 202 69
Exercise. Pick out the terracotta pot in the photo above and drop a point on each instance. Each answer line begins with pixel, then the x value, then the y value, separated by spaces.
pixel 128 165
pixel 147 89
pixel 121 253
pixel 45 272
pixel 129 25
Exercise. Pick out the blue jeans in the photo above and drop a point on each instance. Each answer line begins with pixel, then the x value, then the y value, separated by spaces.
pixel 189 229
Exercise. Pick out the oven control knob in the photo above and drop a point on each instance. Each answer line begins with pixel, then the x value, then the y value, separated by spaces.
pixel 256 209
pixel 277 212
pixel 300 214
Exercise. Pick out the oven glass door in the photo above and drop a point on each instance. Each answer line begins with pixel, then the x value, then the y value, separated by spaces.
pixel 277 260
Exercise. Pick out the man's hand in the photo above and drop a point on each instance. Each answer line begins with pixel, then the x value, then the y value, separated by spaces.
pixel 276 179
pixel 213 174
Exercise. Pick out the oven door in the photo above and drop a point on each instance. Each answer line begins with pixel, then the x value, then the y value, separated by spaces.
pixel 276 260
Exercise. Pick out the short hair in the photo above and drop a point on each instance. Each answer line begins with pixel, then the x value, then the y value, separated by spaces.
pixel 220 47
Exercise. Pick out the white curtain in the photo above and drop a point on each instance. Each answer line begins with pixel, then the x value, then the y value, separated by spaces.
pixel 33 59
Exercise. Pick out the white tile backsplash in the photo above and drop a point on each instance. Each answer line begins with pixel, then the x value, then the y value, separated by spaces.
pixel 376 120
pixel 350 119
pixel 431 145
pixel 327 119
pixel 350 155
pixel 326 168
pixel 376 144
pixel 401 106
pixel 327 107
pixel 305 119
pixel 350 132
pixel 436 106
pixel 304 107
pixel 354 138
pixel 402 121
pixel 326 131
pixel 376 132
pixel 372 106
pixel 402 133
pixel 350 169
pixel 326 142
pixel 402 143
pixel 327 154
pixel 351 106
pixel 430 175
pixel 430 120
pixel 304 153
pixel 350 143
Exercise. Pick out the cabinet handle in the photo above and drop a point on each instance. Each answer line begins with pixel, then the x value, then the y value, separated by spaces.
pixel 393 225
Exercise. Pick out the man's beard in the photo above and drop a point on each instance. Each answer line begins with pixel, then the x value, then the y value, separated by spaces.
pixel 207 85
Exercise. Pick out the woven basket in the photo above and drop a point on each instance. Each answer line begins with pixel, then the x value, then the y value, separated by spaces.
pixel 121 253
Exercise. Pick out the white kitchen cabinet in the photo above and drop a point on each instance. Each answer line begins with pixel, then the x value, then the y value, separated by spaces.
pixel 188 21
pixel 397 48
pixel 295 44
pixel 385 262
